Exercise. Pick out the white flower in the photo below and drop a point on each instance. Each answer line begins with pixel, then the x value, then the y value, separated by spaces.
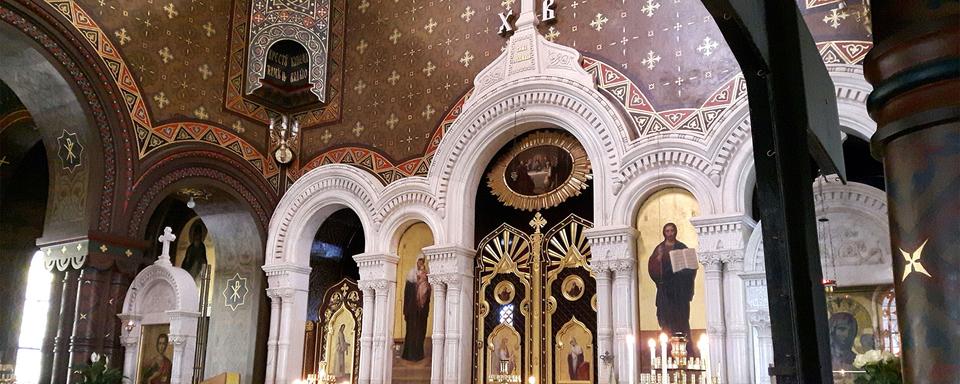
pixel 871 357
pixel 887 356
pixel 94 357
pixel 859 361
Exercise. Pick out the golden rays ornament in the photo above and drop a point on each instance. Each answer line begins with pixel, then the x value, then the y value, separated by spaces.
pixel 913 262
pixel 541 171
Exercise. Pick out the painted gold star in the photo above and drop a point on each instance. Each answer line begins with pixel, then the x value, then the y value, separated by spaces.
pixel 913 262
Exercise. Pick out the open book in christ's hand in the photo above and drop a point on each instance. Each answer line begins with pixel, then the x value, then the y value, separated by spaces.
pixel 682 259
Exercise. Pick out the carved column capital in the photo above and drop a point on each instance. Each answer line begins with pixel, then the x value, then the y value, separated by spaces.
pixel 450 259
pixel 287 275
pixel 177 339
pixel 761 321
pixel 722 239
pixel 612 243
pixel 377 285
pixel 377 266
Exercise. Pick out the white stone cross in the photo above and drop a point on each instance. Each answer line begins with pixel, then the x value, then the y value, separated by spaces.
pixel 166 239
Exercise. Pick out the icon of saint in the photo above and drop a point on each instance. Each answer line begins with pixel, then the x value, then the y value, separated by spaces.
pixel 342 353
pixel 674 289
pixel 160 367
pixel 196 255
pixel 416 308
pixel 577 365
pixel 843 332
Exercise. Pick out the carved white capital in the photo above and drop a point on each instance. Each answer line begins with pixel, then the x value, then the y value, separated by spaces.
pixel 287 275
pixel 612 248
pixel 377 285
pixel 376 266
pixel 450 259
pixel 761 321
pixel 722 238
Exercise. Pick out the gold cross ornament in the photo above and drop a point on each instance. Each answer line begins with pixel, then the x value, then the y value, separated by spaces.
pixel 913 262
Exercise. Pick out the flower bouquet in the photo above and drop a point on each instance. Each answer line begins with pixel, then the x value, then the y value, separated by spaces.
pixel 98 372
pixel 880 367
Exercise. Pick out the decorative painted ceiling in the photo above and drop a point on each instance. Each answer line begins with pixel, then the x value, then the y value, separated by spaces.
pixel 397 70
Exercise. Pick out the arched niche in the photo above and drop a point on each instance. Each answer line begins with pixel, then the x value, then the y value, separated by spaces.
pixel 677 206
pixel 333 298
pixel 234 318
pixel 24 179
pixel 161 304
pixel 414 314
pixel 286 83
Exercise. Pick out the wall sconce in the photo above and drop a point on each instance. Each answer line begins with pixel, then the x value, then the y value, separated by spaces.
pixel 284 135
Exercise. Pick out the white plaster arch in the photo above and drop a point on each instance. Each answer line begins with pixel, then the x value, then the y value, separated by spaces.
pixel 404 209
pixel 313 198
pixel 859 213
pixel 481 131
pixel 852 91
pixel 640 188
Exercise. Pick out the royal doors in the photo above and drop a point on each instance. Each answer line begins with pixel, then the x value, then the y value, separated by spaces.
pixel 536 304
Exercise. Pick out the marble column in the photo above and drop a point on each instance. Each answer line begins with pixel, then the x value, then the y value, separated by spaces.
pixel 453 266
pixel 61 350
pixel 604 321
pixel 613 251
pixel 760 323
pixel 722 239
pixel 914 68
pixel 438 335
pixel 130 338
pixel 716 328
pixel 271 369
pixel 737 347
pixel 378 279
pixel 290 284
pixel 92 283
pixel 380 348
pixel 452 336
pixel 366 331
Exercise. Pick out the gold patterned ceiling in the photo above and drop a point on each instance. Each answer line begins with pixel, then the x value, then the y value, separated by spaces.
pixel 396 67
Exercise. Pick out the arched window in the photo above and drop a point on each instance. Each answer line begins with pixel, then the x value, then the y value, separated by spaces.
pixel 33 325
pixel 889 331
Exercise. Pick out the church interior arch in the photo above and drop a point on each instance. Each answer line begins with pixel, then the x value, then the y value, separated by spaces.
pixel 533 278
pixel 24 182
pixel 333 326
pixel 220 243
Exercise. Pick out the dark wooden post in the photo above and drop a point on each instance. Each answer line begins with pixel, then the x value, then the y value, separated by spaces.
pixel 915 71
pixel 793 115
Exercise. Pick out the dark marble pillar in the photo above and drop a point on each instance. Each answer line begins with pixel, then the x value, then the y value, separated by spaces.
pixel 915 70
pixel 93 286
pixel 66 310
pixel 119 282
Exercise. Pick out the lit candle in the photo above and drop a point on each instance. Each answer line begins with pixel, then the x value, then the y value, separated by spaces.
pixel 532 380
pixel 653 356
pixel 663 358
pixel 705 354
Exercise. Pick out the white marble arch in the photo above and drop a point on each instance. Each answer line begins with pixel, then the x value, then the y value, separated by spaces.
pixel 161 294
pixel 533 84
pixel 305 206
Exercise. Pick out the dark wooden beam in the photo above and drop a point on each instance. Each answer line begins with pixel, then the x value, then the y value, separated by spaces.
pixel 793 117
